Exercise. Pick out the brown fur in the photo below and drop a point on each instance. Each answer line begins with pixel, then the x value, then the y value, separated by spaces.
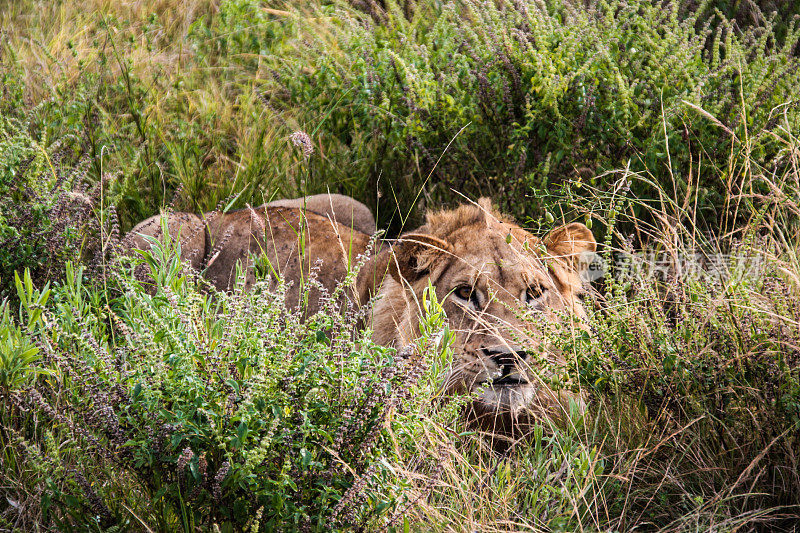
pixel 338 207
pixel 471 248
pixel 293 240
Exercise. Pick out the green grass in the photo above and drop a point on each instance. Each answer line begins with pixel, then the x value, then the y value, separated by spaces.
pixel 674 131
pixel 459 98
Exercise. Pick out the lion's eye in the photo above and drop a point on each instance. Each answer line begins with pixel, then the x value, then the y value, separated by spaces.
pixel 464 292
pixel 468 293
pixel 534 293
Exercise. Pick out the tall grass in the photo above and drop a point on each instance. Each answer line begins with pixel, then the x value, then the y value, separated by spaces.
pixel 691 371
pixel 405 107
pixel 692 367
pixel 170 409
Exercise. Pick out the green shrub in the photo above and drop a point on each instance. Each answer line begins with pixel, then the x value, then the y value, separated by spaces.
pixel 751 13
pixel 489 100
pixel 19 357
pixel 43 209
pixel 222 410
pixel 178 409
pixel 462 96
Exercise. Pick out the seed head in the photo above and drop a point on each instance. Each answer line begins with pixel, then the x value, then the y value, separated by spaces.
pixel 302 140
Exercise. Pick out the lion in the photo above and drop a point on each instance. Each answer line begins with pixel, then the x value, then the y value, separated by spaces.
pixel 499 285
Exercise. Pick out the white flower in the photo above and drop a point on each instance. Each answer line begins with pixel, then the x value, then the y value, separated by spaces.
pixel 302 140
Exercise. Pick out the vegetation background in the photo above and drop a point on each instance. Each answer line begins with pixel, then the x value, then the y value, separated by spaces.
pixel 670 127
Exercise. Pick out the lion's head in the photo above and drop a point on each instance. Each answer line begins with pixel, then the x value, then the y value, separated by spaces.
pixel 500 287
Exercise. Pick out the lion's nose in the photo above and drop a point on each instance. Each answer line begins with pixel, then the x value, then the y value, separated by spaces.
pixel 504 356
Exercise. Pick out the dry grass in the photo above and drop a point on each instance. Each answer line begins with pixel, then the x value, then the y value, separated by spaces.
pixel 61 40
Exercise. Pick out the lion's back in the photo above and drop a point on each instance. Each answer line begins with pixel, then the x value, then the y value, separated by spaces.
pixel 291 244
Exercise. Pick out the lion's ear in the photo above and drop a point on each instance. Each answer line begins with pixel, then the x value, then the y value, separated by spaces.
pixel 414 254
pixel 572 243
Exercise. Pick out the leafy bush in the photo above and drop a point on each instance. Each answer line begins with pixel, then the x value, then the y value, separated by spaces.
pixel 752 13
pixel 225 409
pixel 19 357
pixel 491 100
pixel 43 204
pixel 462 96
pixel 175 408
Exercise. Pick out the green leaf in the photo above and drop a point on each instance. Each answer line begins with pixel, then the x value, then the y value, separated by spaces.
pixel 306 458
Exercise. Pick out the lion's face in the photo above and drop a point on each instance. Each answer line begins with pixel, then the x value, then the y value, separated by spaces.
pixel 501 287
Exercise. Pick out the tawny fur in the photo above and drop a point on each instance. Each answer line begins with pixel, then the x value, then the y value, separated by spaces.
pixel 338 207
pixel 475 245
pixel 293 241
